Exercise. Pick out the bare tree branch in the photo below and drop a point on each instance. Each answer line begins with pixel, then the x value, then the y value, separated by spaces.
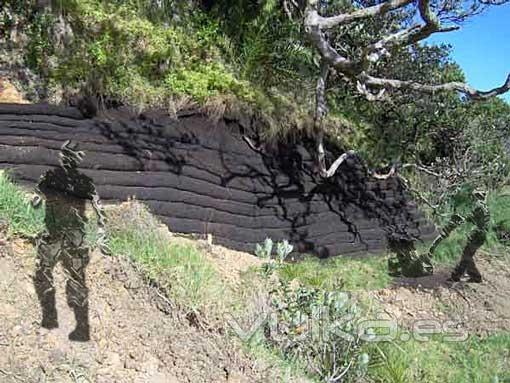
pixel 252 146
pixel 362 89
pixel 421 168
pixel 357 69
pixel 327 52
pixel 391 173
pixel 320 112
pixel 334 166
pixel 493 2
pixel 461 87
pixel 313 17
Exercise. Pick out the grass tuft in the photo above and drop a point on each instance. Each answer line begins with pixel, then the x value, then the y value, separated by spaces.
pixel 16 209
pixel 435 361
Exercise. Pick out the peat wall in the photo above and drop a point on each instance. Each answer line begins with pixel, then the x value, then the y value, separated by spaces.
pixel 202 177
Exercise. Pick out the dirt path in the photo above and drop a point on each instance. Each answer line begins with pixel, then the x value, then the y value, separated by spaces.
pixel 478 309
pixel 133 339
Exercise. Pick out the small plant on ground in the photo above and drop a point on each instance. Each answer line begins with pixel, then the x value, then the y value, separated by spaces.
pixel 317 328
pixel 266 250
pixel 273 262
pixel 283 249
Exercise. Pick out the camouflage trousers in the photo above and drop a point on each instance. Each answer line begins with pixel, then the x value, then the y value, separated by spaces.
pixel 467 264
pixel 70 249
pixel 407 262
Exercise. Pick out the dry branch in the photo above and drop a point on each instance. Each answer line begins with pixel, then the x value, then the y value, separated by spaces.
pixel 357 69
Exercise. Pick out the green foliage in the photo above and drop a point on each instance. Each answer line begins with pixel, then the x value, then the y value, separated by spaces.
pixel 267 48
pixel 283 249
pixel 316 327
pixel 266 250
pixel 16 209
pixel 163 54
pixel 249 55
pixel 204 82
pixel 180 269
pixel 449 250
pixel 338 272
pixel 475 360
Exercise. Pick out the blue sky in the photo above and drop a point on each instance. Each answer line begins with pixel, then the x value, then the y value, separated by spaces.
pixel 482 47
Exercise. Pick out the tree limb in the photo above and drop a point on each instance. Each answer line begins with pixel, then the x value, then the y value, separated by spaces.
pixel 320 112
pixel 313 17
pixel 327 52
pixel 461 87
pixel 356 68
pixel 252 146
pixel 391 173
pixel 334 166
pixel 421 168
pixel 408 36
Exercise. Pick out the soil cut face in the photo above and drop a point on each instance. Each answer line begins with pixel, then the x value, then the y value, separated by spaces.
pixel 136 334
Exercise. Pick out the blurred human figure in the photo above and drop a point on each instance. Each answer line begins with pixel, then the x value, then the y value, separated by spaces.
pixel 66 191
pixel 480 217
pixel 406 260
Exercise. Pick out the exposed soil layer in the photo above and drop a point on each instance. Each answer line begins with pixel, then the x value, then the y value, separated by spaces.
pixel 137 336
pixel 202 177
pixel 9 93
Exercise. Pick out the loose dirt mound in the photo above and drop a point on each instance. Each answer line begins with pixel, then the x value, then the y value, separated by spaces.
pixel 136 335
pixel 474 308
pixel 9 94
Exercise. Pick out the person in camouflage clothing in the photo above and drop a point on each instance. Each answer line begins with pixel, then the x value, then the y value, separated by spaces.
pixel 406 261
pixel 66 192
pixel 480 217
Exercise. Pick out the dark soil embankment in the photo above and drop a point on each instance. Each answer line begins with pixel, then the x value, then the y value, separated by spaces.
pixel 202 177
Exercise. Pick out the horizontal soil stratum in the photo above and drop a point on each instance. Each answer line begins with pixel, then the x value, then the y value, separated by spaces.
pixel 200 176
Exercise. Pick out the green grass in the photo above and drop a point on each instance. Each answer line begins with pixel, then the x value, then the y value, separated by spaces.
pixel 180 269
pixel 125 53
pixel 187 276
pixel 499 205
pixel 17 211
pixel 475 361
pixel 344 273
pixel 193 283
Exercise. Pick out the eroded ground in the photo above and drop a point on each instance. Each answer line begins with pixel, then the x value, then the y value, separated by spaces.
pixel 136 335
pixel 139 336
pixel 475 308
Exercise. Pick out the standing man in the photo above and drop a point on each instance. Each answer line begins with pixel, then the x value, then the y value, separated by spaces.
pixel 480 217
pixel 66 191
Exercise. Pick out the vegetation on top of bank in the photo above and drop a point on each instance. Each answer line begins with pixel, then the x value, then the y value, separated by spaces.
pixel 236 58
